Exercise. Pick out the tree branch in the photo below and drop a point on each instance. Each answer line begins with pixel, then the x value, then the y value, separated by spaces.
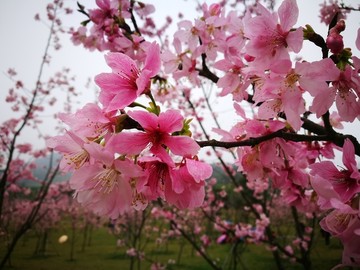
pixel 336 138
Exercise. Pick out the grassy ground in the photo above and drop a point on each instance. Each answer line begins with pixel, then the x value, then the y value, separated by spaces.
pixel 104 254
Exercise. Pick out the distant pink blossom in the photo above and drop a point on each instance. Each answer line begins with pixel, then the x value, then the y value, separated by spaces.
pixel 328 11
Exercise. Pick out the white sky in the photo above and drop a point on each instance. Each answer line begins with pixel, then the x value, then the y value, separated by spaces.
pixel 23 41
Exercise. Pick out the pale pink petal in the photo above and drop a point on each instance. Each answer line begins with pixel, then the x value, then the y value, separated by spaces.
pixel 325 169
pixel 281 66
pixel 128 168
pixel 325 192
pixel 81 178
pixel 357 42
pixel 182 145
pixel 199 170
pixel 323 70
pixel 64 144
pixel 349 155
pixel 294 40
pixel 131 143
pixel 348 106
pixel 113 83
pixel 268 109
pixel 122 64
pixel 153 61
pixel 99 152
pixel 239 110
pixel 92 111
pixel 288 13
pixel 121 100
pixel 143 82
pixel 323 100
pixel 170 121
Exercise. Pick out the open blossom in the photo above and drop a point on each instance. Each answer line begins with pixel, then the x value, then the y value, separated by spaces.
pixel 330 9
pixel 187 190
pixel 181 185
pixel 126 82
pixel 269 34
pixel 343 222
pixel 157 133
pixel 90 121
pixel 346 182
pixel 108 186
pixel 73 149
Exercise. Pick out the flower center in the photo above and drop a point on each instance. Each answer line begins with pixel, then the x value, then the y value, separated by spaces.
pixel 106 180
pixel 77 159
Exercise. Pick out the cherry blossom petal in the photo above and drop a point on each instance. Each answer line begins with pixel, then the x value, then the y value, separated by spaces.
pixel 170 121
pixel 198 170
pixel 349 157
pixel 148 121
pixel 152 61
pixel 294 40
pixel 182 145
pixel 325 169
pixel 120 100
pixel 122 64
pixel 288 14
pixel 131 143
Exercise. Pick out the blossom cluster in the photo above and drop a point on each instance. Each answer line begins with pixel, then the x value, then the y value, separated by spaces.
pixel 123 157
pixel 120 157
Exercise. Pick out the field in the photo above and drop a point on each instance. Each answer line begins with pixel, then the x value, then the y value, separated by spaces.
pixel 101 252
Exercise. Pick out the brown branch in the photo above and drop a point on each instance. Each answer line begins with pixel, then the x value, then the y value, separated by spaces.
pixel 205 71
pixel 26 118
pixel 336 138
pixel 133 20
pixel 192 242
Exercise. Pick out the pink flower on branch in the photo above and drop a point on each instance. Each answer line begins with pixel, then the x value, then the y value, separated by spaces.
pixel 127 82
pixel 271 39
pixel 90 121
pixel 158 134
pixel 345 182
pixel 108 186
pixel 73 149
pixel 181 185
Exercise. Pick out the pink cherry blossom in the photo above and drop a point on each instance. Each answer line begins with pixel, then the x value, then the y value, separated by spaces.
pixel 73 148
pixel 90 121
pixel 271 39
pixel 181 185
pixel 343 222
pixel 126 82
pixel 108 186
pixel 157 134
pixel 187 189
pixel 346 182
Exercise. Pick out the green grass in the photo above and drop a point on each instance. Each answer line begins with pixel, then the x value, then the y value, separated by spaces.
pixel 103 254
